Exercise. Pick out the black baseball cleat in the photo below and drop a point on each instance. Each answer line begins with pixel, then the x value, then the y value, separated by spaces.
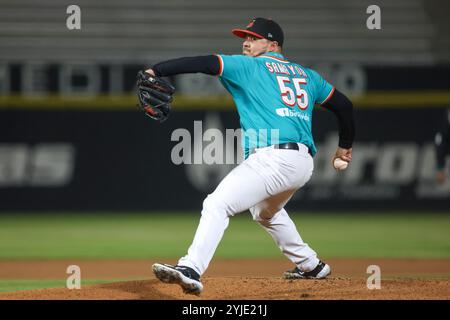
pixel 186 277
pixel 320 272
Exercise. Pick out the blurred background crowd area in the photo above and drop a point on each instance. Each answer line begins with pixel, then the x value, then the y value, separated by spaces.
pixel 71 137
pixel 414 32
pixel 39 54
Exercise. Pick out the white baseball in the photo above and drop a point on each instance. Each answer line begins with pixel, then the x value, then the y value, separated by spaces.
pixel 340 164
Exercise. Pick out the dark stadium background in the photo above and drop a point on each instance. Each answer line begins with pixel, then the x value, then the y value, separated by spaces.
pixel 85 175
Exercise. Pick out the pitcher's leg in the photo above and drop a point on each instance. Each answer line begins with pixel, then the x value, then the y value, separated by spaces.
pixel 271 215
pixel 288 239
pixel 241 189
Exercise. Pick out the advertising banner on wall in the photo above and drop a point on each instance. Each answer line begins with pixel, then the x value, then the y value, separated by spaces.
pixel 121 160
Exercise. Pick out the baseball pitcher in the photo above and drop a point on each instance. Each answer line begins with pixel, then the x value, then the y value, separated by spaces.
pixel 275 96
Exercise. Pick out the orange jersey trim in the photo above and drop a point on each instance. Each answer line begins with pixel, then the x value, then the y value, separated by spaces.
pixel 221 65
pixel 329 96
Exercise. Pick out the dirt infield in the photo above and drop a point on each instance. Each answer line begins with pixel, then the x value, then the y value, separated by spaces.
pixel 239 280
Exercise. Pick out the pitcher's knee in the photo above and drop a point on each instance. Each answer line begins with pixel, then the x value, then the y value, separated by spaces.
pixel 215 207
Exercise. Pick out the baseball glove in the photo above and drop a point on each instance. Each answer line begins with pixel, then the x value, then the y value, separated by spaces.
pixel 154 95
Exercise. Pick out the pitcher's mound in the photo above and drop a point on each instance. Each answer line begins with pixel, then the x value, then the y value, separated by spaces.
pixel 248 288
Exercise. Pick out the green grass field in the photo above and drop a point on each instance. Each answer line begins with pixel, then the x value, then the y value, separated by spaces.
pixel 168 235
pixel 144 236
pixel 17 285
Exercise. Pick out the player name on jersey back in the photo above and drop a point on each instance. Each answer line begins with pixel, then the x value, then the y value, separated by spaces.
pixel 287 69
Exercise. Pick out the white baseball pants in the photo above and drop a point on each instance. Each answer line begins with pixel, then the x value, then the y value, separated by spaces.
pixel 263 184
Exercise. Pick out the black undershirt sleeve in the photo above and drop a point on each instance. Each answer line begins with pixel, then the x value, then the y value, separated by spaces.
pixel 342 107
pixel 204 64
pixel 339 104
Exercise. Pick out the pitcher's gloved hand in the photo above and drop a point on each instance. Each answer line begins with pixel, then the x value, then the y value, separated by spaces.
pixel 154 95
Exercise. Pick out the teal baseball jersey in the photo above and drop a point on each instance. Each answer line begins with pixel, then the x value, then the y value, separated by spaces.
pixel 274 98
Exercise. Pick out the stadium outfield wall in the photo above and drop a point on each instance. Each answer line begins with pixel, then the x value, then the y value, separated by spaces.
pixel 121 160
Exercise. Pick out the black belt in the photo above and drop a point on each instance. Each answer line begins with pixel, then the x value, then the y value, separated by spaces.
pixel 288 146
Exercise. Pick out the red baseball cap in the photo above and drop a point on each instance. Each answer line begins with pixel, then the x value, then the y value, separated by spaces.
pixel 262 28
